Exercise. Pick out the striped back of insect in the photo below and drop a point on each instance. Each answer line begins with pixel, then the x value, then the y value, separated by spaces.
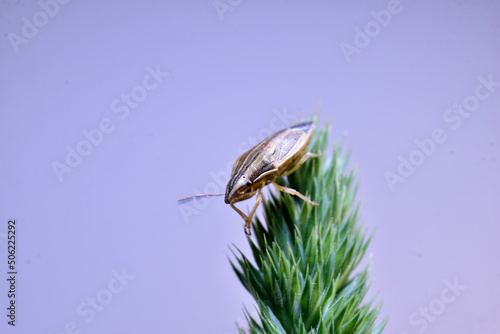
pixel 248 175
pixel 293 145
pixel 278 155
pixel 267 160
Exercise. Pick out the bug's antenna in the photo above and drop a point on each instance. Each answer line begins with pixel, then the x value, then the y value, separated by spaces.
pixel 199 195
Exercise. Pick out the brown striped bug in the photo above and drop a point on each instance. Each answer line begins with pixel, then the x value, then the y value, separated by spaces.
pixel 278 155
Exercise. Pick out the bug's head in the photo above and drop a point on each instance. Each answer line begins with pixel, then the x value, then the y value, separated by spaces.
pixel 239 188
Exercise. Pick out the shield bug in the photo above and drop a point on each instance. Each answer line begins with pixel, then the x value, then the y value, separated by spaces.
pixel 278 155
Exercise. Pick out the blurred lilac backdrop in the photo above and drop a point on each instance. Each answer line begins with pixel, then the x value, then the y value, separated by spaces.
pixel 111 111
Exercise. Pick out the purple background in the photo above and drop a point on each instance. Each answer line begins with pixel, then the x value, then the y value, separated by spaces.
pixel 233 77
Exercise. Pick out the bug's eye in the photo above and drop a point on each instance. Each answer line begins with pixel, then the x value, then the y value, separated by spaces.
pixel 249 183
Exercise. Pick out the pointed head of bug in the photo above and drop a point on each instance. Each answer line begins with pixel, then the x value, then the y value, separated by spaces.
pixel 239 188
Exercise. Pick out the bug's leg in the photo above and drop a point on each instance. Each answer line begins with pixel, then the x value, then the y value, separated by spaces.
pixel 247 220
pixel 250 216
pixel 301 162
pixel 244 216
pixel 294 192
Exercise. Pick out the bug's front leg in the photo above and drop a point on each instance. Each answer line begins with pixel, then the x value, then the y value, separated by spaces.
pixel 244 216
pixel 248 220
pixel 294 192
